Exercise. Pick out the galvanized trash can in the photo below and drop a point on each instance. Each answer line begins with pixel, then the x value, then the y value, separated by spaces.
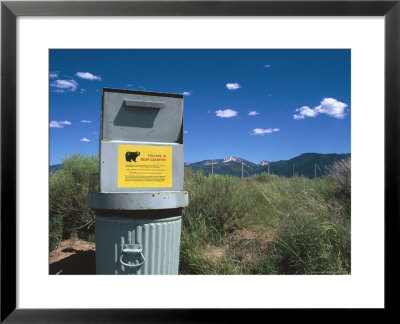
pixel 139 204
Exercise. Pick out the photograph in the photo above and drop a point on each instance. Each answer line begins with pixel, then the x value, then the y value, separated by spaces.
pixel 203 147
pixel 200 161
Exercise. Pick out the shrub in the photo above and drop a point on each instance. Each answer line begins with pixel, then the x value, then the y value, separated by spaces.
pixel 188 174
pixel 262 177
pixel 341 179
pixel 69 189
pixel 55 231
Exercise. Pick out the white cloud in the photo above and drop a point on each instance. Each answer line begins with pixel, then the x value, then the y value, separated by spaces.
pixel 64 85
pixel 267 66
pixel 233 86
pixel 88 76
pixel 253 113
pixel 332 107
pixel 53 75
pixel 227 113
pixel 85 139
pixel 59 124
pixel 185 132
pixel 328 106
pixel 305 112
pixel 83 90
pixel 86 121
pixel 187 93
pixel 262 131
pixel 55 124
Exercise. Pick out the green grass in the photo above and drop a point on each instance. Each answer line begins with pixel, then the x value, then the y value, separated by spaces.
pixel 267 224
pixel 264 224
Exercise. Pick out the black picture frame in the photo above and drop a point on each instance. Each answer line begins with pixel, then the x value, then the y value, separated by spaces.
pixel 10 10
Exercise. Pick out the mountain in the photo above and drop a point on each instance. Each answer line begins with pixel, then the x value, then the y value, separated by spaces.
pixel 262 163
pixel 303 165
pixel 231 165
pixel 55 168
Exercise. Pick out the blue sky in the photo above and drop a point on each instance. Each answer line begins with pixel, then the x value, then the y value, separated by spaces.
pixel 254 104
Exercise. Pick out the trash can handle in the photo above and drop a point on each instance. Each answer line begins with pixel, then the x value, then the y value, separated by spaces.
pixel 144 104
pixel 132 249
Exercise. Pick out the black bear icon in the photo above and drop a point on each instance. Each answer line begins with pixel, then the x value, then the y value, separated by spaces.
pixel 131 156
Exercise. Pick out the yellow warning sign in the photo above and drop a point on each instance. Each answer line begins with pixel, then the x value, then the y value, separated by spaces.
pixel 144 166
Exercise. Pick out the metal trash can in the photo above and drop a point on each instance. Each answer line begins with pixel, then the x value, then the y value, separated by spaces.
pixel 139 204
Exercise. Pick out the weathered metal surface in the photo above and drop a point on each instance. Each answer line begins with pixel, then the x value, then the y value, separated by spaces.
pixel 157 119
pixel 141 183
pixel 145 246
pixel 138 200
pixel 132 118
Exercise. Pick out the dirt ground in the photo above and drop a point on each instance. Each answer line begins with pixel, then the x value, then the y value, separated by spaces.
pixel 79 257
pixel 73 257
pixel 254 233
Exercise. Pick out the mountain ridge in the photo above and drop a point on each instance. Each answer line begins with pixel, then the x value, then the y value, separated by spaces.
pixel 303 165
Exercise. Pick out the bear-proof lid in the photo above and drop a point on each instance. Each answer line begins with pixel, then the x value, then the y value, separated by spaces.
pixel 129 115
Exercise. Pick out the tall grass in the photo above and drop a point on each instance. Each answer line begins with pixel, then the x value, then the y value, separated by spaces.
pixel 69 187
pixel 218 207
pixel 264 224
pixel 340 176
pixel 313 230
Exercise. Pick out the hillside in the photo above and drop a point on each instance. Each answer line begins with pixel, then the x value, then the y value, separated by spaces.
pixel 55 168
pixel 303 165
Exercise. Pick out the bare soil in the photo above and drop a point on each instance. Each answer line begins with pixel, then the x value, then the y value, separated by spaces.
pixel 79 257
pixel 258 234
pixel 73 257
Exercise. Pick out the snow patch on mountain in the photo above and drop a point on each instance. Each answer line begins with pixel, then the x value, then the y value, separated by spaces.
pixel 232 159
pixel 262 163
